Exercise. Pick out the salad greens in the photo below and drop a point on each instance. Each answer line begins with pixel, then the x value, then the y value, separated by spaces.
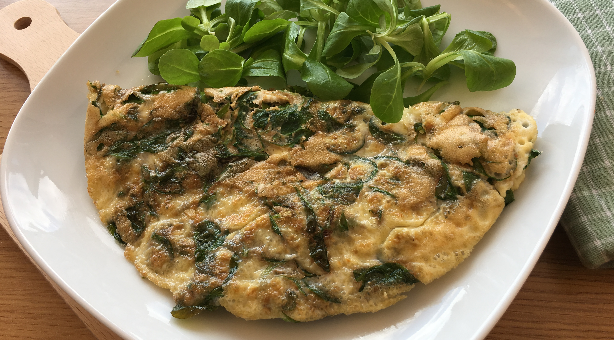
pixel 333 44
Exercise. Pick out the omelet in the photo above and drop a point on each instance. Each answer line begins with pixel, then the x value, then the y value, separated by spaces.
pixel 276 205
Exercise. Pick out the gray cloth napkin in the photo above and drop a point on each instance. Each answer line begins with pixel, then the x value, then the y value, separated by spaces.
pixel 589 215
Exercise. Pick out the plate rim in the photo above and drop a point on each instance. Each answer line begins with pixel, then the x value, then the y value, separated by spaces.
pixel 488 323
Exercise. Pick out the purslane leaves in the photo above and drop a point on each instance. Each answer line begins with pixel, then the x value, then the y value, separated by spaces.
pixel 408 36
pixel 344 30
pixel 267 64
pixel 364 12
pixel 323 82
pixel 387 95
pixel 164 33
pixel 179 67
pixel 398 39
pixel 479 41
pixel 472 50
pixel 485 72
pixel 240 10
pixel 220 68
pixel 265 29
pixel 293 57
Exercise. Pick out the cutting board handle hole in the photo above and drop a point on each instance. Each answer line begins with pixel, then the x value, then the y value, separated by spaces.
pixel 22 23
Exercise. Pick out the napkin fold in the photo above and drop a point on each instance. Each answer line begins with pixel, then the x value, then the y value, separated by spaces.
pixel 589 216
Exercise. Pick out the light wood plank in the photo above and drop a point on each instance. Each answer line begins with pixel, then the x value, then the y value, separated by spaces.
pixel 560 300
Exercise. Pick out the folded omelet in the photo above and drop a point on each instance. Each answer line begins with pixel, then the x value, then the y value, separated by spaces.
pixel 276 205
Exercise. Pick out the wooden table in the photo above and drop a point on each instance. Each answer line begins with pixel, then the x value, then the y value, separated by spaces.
pixel 560 300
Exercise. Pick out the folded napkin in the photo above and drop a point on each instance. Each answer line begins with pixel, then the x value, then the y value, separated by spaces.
pixel 589 215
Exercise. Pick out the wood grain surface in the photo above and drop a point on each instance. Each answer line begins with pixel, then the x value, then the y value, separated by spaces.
pixel 560 300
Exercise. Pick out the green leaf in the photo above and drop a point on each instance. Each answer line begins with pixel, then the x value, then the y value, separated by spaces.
pixel 235 33
pixel 341 192
pixel 534 153
pixel 387 60
pixel 283 14
pixel 318 46
pixel 509 197
pixel 445 189
pixel 286 318
pixel 411 5
pixel 410 69
pixel 221 31
pixel 384 274
pixel 123 149
pixel 207 237
pixel 269 7
pixel 316 9
pixel 317 246
pixel 209 43
pixel 344 30
pixel 438 26
pixel 348 55
pixel 190 23
pixel 274 225
pixel 265 29
pixel 364 12
pixel 323 82
pixel 164 33
pixel 426 11
pixel 154 58
pixel 362 92
pixel 387 95
pixel 382 191
pixel 220 68
pixel 485 72
pixel 164 242
pixel 224 46
pixel 179 67
pixel 293 57
pixel 408 36
pixel 469 179
pixel 383 136
pixel 478 41
pixel 344 224
pixel 366 62
pixel 440 61
pixel 112 228
pixel 290 5
pixel 430 48
pixel 241 10
pixel 419 128
pixel 266 64
pixel 181 311
pixel 389 7
pixel 321 293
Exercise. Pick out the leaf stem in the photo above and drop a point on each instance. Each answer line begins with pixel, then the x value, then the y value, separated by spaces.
pixel 412 68
pixel 320 39
pixel 242 47
pixel 383 42
pixel 205 18
pixel 436 63
pixel 306 23
pixel 218 19
pixel 299 40
pixel 324 6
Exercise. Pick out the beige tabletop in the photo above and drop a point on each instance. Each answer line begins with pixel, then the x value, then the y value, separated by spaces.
pixel 560 300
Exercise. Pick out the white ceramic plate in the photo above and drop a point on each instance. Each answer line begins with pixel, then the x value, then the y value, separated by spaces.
pixel 46 201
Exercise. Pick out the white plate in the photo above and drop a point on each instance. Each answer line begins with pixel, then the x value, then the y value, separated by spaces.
pixel 46 201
